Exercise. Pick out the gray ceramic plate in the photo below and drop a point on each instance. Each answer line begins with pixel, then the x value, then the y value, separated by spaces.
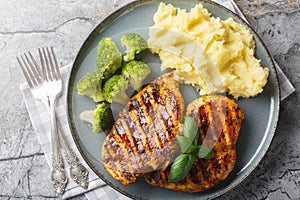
pixel 261 112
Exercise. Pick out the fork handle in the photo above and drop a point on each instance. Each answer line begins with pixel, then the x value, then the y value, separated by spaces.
pixel 58 176
pixel 54 130
pixel 77 171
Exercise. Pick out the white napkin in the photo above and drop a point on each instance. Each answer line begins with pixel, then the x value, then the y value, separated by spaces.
pixel 41 122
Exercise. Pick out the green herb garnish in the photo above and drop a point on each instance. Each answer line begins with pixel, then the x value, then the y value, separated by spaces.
pixel 181 166
pixel 190 149
pixel 205 152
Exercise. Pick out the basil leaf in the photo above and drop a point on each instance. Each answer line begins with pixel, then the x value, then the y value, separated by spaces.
pixel 181 166
pixel 194 146
pixel 192 149
pixel 184 142
pixel 190 127
pixel 205 152
pixel 196 138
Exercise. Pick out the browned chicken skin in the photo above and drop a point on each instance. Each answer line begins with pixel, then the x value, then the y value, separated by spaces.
pixel 143 137
pixel 219 119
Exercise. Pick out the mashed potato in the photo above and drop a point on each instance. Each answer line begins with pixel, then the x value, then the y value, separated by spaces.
pixel 213 55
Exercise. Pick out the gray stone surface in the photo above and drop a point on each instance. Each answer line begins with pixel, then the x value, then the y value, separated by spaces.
pixel 64 24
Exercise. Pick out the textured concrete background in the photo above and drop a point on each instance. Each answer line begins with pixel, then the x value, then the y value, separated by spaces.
pixel 64 24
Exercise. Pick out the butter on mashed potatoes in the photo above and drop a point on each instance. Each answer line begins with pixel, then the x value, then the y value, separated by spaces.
pixel 213 55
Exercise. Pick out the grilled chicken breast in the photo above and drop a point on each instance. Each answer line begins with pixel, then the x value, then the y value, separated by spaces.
pixel 143 138
pixel 219 119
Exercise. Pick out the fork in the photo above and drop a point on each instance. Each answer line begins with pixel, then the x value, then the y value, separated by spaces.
pixel 77 171
pixel 46 86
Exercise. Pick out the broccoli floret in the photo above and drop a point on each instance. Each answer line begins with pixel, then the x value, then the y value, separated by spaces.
pixel 109 57
pixel 108 60
pixel 101 118
pixel 114 89
pixel 134 44
pixel 135 72
pixel 90 85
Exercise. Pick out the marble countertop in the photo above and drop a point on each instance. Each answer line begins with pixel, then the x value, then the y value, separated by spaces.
pixel 64 24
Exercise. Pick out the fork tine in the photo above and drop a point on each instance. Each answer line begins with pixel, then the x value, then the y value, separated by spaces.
pixel 48 72
pixel 25 73
pixel 56 64
pixel 36 65
pixel 31 76
pixel 43 65
pixel 34 68
pixel 52 69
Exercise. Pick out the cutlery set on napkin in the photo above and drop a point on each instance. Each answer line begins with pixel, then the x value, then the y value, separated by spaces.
pixel 49 119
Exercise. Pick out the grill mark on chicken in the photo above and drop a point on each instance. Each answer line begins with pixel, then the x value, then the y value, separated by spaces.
pixel 120 165
pixel 146 123
pixel 142 138
pixel 131 131
pixel 140 117
pixel 161 122
pixel 219 120
pixel 167 118
pixel 203 116
pixel 156 95
pixel 129 141
pixel 124 154
pixel 213 112
pixel 164 115
pixel 121 132
pixel 152 118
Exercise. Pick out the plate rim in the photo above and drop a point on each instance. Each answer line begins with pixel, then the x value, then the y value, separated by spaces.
pixel 117 13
